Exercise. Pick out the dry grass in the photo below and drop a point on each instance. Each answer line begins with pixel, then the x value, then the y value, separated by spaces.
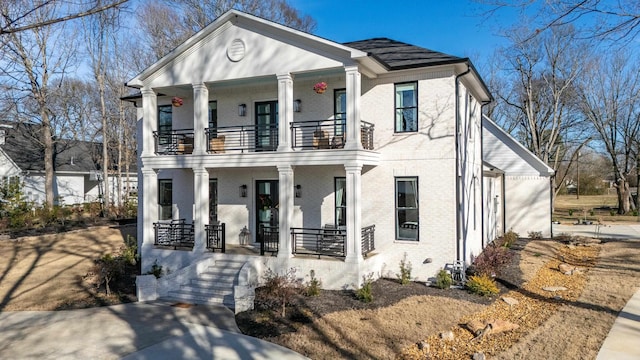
pixel 46 272
pixel 594 208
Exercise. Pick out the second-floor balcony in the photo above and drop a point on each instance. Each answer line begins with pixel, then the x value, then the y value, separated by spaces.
pixel 305 135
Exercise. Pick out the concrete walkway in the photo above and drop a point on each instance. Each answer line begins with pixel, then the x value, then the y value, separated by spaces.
pixel 131 331
pixel 623 340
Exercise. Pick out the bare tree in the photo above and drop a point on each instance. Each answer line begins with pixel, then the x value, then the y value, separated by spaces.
pixel 167 24
pixel 32 62
pixel 604 20
pixel 537 97
pixel 16 16
pixel 610 98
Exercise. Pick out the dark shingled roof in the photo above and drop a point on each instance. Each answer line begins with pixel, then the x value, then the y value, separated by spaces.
pixel 23 146
pixel 396 55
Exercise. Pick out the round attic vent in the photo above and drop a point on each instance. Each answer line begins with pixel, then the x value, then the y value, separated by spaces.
pixel 236 50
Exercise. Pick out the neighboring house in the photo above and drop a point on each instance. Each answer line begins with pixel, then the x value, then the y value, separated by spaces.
pixel 517 185
pixel 235 145
pixel 76 163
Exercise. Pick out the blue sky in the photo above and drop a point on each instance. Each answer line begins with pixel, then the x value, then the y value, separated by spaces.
pixel 450 26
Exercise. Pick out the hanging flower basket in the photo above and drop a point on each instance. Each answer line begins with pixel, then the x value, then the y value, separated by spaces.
pixel 320 87
pixel 176 101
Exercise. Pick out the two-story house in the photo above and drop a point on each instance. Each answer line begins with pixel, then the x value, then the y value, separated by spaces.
pixel 264 147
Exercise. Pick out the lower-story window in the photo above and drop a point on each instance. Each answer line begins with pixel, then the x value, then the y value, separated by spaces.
pixel 165 198
pixel 341 201
pixel 407 217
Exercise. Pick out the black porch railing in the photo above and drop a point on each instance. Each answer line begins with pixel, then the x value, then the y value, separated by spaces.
pixel 270 238
pixel 328 241
pixel 175 234
pixel 174 142
pixel 327 134
pixel 368 239
pixel 325 241
pixel 215 237
pixel 249 138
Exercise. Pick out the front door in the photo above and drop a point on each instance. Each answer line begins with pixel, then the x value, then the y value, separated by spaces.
pixel 266 205
pixel 266 126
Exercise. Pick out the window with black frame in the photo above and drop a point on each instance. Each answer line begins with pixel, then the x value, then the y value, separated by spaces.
pixel 407 217
pixel 165 124
pixel 165 198
pixel 406 107
pixel 341 201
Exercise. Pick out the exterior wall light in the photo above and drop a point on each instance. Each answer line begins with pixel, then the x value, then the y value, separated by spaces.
pixel 297 105
pixel 242 110
pixel 243 190
pixel 298 191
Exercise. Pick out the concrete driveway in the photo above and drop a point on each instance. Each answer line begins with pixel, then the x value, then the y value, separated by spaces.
pixel 131 331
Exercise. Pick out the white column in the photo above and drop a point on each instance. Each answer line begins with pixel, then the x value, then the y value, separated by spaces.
pixel 200 117
pixel 354 212
pixel 353 91
pixel 285 111
pixel 200 208
pixel 285 212
pixel 148 200
pixel 149 120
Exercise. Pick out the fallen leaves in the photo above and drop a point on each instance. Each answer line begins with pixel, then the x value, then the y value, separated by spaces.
pixel 534 305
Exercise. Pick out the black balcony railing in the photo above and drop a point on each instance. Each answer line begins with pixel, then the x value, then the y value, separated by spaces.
pixel 175 234
pixel 326 241
pixel 216 237
pixel 270 239
pixel 368 239
pixel 327 134
pixel 174 142
pixel 246 138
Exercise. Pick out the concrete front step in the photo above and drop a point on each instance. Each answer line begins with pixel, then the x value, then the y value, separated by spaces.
pixel 215 286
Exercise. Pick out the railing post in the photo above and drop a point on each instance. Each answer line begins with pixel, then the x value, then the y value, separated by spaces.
pixel 223 237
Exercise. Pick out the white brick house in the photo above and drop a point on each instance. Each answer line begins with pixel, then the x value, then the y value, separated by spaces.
pixel 384 165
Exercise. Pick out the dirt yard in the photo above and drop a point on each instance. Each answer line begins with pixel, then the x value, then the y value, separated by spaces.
pixel 47 272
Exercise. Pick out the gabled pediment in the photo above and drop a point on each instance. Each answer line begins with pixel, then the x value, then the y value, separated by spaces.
pixel 241 46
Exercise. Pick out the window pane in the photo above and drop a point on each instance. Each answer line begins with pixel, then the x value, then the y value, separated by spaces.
pixel 407 214
pixel 165 199
pixel 340 111
pixel 341 201
pixel 213 114
pixel 164 124
pixel 406 101
pixel 213 201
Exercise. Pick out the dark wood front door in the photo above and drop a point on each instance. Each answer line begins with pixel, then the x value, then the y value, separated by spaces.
pixel 266 126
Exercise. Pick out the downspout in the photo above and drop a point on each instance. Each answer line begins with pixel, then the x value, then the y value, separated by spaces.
pixel 459 256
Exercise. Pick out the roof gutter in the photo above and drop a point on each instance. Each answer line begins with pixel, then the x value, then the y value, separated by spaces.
pixel 459 245
pixel 484 239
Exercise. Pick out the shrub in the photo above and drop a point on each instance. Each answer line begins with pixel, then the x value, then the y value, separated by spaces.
pixel 492 259
pixel 509 238
pixel 482 285
pixel 156 270
pixel 443 279
pixel 108 267
pixel 612 212
pixel 571 212
pixel 535 235
pixel 314 285
pixel 279 290
pixel 365 293
pixel 405 271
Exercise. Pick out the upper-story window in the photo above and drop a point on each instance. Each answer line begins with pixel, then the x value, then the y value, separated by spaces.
pixel 165 124
pixel 406 106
